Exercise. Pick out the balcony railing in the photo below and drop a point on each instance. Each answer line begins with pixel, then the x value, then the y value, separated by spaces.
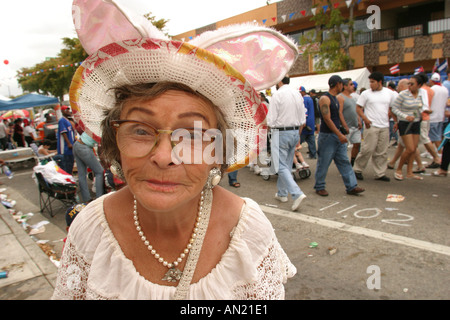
pixel 439 26
pixel 410 31
pixel 366 37
pixel 374 36
pixel 399 33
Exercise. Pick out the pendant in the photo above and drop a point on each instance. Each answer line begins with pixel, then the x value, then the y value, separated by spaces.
pixel 173 275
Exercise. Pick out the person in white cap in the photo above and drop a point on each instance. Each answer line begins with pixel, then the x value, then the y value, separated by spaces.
pixel 437 116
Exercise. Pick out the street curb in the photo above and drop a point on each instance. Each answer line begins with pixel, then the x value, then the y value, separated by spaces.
pixel 42 261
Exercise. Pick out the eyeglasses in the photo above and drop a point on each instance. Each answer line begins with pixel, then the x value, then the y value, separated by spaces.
pixel 137 139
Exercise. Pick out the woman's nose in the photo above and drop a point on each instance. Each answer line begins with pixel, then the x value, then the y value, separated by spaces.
pixel 161 153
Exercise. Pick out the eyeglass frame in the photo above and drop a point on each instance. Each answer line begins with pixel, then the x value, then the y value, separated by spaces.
pixel 116 125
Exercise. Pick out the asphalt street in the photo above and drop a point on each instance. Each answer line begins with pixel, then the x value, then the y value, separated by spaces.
pixel 344 247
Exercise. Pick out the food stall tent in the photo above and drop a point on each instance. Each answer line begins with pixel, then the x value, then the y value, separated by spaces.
pixel 27 101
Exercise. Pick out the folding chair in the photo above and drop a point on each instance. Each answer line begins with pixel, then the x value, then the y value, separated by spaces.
pixel 49 193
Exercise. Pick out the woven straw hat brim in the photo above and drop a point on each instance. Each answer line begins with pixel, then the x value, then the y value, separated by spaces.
pixel 149 61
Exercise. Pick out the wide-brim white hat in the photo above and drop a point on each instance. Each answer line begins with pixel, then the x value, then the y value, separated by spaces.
pixel 227 66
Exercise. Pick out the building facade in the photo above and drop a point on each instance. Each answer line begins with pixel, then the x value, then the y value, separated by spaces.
pixel 411 33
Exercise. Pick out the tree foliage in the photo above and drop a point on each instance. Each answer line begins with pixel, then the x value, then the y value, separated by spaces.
pixel 53 76
pixel 160 24
pixel 331 39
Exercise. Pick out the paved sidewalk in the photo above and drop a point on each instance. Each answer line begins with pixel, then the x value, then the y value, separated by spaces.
pixel 31 274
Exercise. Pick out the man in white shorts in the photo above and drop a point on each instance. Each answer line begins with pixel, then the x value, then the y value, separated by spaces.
pixel 353 121
pixel 438 116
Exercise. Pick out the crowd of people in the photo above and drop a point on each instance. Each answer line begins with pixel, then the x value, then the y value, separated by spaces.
pixel 66 145
pixel 15 133
pixel 416 109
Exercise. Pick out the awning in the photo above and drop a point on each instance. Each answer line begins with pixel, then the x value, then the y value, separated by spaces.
pixel 27 101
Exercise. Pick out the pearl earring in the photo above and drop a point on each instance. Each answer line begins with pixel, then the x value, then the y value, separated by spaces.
pixel 116 170
pixel 214 178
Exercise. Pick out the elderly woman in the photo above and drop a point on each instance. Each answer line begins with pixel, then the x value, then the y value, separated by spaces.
pixel 408 107
pixel 172 232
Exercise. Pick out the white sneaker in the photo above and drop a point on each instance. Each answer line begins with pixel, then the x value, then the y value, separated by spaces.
pixel 257 170
pixel 305 165
pixel 297 202
pixel 281 199
pixel 299 166
pixel 426 155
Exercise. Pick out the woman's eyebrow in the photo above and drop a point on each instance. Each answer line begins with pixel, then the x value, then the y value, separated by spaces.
pixel 180 116
pixel 139 109
pixel 193 114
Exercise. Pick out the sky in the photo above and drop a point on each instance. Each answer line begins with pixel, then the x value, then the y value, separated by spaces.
pixel 31 30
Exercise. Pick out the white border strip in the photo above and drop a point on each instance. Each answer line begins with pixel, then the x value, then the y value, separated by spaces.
pixel 419 244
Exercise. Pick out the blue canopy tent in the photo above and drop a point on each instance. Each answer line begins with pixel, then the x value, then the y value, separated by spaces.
pixel 27 101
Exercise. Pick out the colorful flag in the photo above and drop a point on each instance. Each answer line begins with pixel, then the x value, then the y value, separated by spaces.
pixel 418 70
pixel 443 66
pixel 436 65
pixel 395 69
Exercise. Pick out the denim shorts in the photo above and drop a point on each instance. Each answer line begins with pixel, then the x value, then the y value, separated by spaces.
pixel 435 132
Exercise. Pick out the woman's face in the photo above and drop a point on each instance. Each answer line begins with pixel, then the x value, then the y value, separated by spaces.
pixel 413 85
pixel 156 181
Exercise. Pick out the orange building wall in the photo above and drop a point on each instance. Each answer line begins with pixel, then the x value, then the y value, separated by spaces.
pixel 266 12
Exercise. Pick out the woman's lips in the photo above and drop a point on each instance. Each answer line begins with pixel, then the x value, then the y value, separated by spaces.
pixel 163 186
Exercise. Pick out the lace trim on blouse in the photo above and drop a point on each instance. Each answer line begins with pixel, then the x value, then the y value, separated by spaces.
pixel 94 267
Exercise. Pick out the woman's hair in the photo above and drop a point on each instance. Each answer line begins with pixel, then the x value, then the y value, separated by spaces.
pixel 419 79
pixel 147 91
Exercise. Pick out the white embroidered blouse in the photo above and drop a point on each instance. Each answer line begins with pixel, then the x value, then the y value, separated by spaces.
pixel 93 265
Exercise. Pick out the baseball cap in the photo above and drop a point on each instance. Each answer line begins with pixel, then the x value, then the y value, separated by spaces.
pixel 64 107
pixel 73 211
pixel 302 89
pixel 436 77
pixel 334 80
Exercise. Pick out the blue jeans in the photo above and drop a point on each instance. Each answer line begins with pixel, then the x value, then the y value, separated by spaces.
pixel 311 141
pixel 392 134
pixel 85 157
pixel 232 177
pixel 66 163
pixel 330 148
pixel 283 149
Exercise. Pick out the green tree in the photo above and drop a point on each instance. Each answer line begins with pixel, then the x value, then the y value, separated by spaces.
pixel 160 24
pixel 331 39
pixel 54 75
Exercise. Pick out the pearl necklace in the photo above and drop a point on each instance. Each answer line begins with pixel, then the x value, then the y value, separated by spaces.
pixel 173 274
